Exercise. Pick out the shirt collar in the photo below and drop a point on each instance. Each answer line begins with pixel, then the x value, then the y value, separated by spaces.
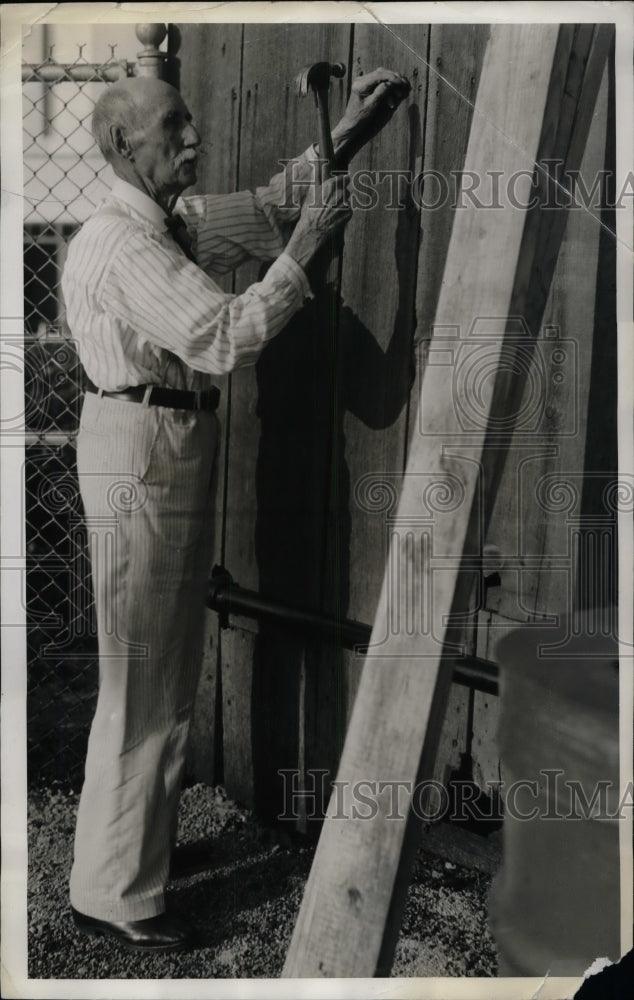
pixel 140 202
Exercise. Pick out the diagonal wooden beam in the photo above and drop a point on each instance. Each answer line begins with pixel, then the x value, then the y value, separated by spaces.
pixel 574 88
pixel 350 915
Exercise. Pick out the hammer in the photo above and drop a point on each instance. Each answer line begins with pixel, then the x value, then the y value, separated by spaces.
pixel 317 79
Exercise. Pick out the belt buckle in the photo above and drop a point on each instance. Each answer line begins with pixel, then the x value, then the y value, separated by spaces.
pixel 197 399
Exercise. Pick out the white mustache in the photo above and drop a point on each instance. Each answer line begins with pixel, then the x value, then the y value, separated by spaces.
pixel 193 152
pixel 188 156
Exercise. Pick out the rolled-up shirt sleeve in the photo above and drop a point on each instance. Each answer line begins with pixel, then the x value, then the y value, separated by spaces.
pixel 163 298
pixel 229 229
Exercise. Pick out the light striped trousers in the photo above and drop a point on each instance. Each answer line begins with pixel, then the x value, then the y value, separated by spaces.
pixel 145 478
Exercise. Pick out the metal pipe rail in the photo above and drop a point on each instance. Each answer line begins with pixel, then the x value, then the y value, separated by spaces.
pixel 227 598
pixel 151 61
pixel 50 72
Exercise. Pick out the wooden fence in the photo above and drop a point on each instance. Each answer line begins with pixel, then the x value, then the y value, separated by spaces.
pixel 316 434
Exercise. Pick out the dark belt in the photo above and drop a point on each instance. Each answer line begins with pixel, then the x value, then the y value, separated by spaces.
pixel 177 399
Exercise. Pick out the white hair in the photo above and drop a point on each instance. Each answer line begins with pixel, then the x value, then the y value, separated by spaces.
pixel 116 106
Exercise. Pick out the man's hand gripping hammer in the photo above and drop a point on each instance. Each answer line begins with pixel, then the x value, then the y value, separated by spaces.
pixel 317 78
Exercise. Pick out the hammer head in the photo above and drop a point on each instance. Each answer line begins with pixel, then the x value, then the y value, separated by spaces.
pixel 317 76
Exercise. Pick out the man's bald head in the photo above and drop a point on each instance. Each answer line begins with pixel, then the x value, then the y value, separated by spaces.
pixel 126 106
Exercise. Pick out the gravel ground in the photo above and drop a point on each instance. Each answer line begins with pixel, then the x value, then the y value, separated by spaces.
pixel 245 906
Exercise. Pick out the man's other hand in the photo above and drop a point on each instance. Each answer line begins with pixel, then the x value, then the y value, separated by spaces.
pixel 322 217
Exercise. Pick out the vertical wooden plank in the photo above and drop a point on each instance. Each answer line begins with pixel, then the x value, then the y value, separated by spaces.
pixel 455 63
pixel 598 585
pixel 540 494
pixel 279 447
pixel 378 317
pixel 250 744
pixel 485 755
pixel 201 753
pixel 212 98
pixel 237 655
pixel 454 735
pixel 373 361
pixel 276 492
pixel 376 333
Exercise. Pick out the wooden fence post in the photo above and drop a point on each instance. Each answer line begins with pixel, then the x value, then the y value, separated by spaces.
pixel 213 97
pixel 151 60
pixel 279 441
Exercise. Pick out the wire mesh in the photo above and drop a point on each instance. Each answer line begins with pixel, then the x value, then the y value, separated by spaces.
pixel 63 180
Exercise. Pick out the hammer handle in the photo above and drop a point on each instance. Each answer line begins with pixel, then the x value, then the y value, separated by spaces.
pixel 326 151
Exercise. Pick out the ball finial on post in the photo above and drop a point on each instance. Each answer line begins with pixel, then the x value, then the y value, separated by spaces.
pixel 150 60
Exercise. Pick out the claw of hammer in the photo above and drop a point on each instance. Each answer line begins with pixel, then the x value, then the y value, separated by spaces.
pixel 317 78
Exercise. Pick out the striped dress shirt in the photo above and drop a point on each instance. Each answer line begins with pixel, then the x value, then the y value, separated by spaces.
pixel 134 299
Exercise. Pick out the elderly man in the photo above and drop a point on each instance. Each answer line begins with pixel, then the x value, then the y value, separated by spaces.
pixel 152 327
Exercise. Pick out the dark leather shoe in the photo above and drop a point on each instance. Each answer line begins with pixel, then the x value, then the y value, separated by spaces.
pixel 189 859
pixel 161 933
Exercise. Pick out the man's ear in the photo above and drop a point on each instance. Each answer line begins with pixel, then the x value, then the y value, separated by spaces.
pixel 120 142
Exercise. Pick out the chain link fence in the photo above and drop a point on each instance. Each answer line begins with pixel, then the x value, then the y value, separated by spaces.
pixel 63 180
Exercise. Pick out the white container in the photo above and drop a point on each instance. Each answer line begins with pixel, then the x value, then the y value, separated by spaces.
pixel 554 905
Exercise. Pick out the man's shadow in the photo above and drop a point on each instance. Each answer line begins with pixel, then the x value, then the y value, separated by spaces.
pixel 324 364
